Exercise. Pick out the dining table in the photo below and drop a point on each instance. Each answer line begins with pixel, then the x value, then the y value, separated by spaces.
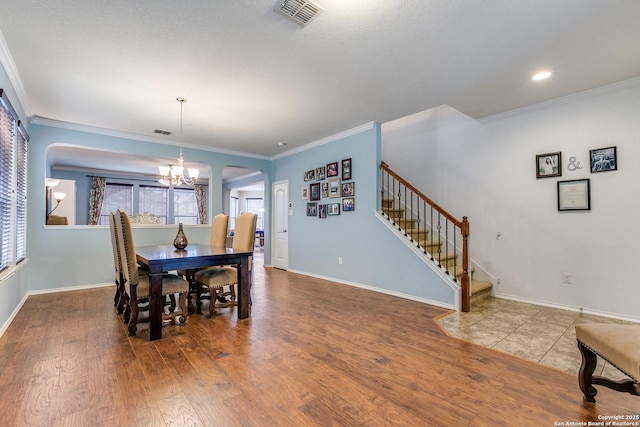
pixel 159 259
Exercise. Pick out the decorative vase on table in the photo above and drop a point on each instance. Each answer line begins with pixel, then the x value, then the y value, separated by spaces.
pixel 180 242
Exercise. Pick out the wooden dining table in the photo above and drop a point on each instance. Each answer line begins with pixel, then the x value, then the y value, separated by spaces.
pixel 163 258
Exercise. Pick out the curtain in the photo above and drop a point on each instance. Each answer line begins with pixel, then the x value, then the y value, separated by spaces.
pixel 201 200
pixel 96 196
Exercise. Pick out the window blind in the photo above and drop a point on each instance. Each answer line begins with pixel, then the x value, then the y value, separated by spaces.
pixel 21 193
pixel 6 175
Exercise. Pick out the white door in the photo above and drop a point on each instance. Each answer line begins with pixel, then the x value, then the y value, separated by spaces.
pixel 280 242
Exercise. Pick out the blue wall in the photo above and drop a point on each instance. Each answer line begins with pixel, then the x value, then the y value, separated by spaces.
pixel 77 256
pixel 372 256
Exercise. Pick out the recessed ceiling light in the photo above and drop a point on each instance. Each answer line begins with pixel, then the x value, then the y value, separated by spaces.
pixel 541 75
pixel 281 144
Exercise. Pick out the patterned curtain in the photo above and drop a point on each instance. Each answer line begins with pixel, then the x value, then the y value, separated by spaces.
pixel 201 200
pixel 96 196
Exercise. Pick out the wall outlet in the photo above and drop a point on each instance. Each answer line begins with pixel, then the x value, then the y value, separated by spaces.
pixel 340 260
pixel 566 278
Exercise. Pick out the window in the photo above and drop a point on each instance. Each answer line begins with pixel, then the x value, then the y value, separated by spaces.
pixel 185 207
pixel 116 196
pixel 13 185
pixel 255 206
pixel 233 212
pixel 153 200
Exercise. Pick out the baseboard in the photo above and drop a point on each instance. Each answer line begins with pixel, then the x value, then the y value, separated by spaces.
pixel 13 315
pixel 70 288
pixel 581 310
pixel 375 289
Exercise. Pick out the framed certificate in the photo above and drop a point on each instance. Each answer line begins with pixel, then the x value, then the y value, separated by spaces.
pixel 574 195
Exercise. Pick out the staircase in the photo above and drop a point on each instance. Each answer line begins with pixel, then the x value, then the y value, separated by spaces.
pixel 435 232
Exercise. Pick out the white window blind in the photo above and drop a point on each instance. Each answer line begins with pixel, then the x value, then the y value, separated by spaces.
pixel 153 200
pixel 13 185
pixel 116 196
pixel 21 194
pixel 185 207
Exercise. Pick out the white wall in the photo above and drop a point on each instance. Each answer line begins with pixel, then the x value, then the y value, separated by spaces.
pixel 486 170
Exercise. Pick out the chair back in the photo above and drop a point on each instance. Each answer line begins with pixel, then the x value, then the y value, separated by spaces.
pixel 117 261
pixel 57 220
pixel 219 230
pixel 127 248
pixel 244 236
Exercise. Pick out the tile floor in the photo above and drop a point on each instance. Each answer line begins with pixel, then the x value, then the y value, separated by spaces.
pixel 542 334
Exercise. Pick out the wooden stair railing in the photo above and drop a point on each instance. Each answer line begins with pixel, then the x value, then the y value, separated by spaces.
pixel 429 226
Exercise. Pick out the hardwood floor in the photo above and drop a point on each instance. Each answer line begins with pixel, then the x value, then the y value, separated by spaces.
pixel 312 353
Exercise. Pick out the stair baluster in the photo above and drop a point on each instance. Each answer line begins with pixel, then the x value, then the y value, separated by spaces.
pixel 404 212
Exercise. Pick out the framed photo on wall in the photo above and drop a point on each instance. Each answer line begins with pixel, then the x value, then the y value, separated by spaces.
pixel 603 159
pixel 348 189
pixel 548 165
pixel 348 204
pixel 320 173
pixel 312 209
pixel 334 188
pixel 324 189
pixel 305 193
pixel 310 175
pixel 574 195
pixel 346 169
pixel 333 209
pixel 314 190
pixel 332 169
pixel 322 211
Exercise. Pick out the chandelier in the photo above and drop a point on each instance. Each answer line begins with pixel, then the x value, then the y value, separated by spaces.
pixel 174 174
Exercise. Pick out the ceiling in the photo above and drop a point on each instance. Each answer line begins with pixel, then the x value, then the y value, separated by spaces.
pixel 252 78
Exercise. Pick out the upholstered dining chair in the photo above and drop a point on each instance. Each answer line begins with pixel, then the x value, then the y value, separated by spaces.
pixel 57 220
pixel 214 280
pixel 121 298
pixel 137 285
pixel 216 238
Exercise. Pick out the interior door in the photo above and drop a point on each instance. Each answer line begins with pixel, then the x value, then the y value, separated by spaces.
pixel 280 243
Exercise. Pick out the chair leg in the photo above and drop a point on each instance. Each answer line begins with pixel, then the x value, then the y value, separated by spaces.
pixel 133 304
pixel 127 309
pixel 116 297
pixel 184 307
pixel 585 375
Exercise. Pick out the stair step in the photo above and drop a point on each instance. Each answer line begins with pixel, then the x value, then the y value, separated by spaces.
pixel 394 212
pixel 480 291
pixel 387 203
pixel 418 234
pixel 405 223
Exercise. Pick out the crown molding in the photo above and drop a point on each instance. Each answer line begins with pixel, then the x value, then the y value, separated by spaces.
pixel 323 141
pixel 586 94
pixel 37 120
pixel 14 77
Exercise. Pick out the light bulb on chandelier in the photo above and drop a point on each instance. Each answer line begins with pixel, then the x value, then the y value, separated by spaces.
pixel 174 174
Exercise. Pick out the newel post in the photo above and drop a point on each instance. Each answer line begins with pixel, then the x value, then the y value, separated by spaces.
pixel 465 281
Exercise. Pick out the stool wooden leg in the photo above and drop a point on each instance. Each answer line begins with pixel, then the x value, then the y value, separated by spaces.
pixel 585 376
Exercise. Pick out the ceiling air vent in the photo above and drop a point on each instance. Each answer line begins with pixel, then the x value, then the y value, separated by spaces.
pixel 162 132
pixel 299 11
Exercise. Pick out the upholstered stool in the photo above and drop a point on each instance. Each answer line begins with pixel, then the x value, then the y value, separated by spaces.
pixel 617 344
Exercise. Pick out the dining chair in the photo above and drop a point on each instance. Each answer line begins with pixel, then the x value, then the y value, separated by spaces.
pixel 214 280
pixel 57 220
pixel 216 238
pixel 137 285
pixel 119 299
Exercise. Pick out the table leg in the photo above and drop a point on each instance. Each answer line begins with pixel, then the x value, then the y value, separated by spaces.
pixel 244 285
pixel 156 306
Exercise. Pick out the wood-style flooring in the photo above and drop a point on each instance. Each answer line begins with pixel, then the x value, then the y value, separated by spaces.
pixel 313 353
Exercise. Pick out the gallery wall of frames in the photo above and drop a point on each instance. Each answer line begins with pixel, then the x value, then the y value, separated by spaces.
pixel 329 189
pixel 575 194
